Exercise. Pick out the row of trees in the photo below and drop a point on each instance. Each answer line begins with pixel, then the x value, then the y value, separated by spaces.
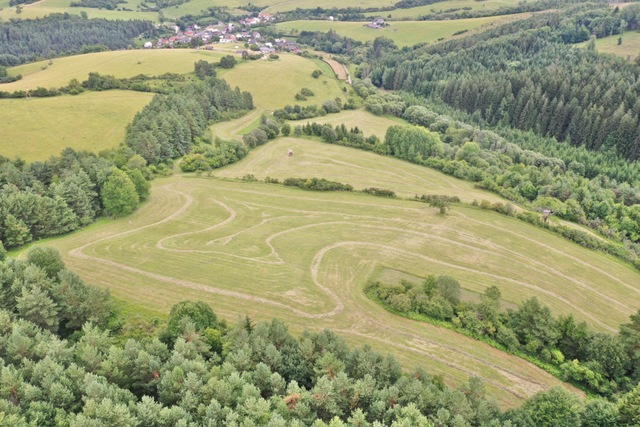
pixel 60 366
pixel 340 134
pixel 63 34
pixel 600 362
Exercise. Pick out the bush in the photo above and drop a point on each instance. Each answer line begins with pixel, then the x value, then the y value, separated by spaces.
pixel 317 184
pixel 380 192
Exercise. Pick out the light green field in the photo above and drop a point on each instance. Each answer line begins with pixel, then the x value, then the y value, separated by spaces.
pixel 274 84
pixel 629 49
pixel 46 7
pixel 37 128
pixel 120 63
pixel 416 12
pixel 271 251
pixel 404 33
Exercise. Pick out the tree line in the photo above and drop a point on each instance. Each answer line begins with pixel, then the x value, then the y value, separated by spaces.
pixel 63 34
pixel 599 362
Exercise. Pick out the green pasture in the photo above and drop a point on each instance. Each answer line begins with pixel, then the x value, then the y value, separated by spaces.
pixel 403 33
pixel 274 84
pixel 37 128
pixel 120 63
pixel 46 7
pixel 629 49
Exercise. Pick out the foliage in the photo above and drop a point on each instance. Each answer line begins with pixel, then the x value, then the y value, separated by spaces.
pixel 59 302
pixel 119 195
pixel 317 184
pixel 204 157
pixel 169 126
pixel 44 199
pixel 352 137
pixel 599 362
pixel 505 83
pixel 98 4
pixel 6 78
pixel 57 34
pixel 228 61
pixel 198 313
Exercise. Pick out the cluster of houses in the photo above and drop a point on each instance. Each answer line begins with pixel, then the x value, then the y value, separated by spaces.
pixel 239 32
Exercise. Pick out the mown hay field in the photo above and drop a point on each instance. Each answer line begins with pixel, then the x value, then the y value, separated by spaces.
pixel 37 128
pixel 267 251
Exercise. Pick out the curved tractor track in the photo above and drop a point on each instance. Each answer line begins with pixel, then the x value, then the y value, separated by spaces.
pixel 275 252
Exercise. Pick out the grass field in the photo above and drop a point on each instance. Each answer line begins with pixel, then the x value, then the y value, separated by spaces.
pixel 37 128
pixel 274 84
pixel 416 12
pixel 405 33
pixel 46 7
pixel 120 63
pixel 629 49
pixel 271 251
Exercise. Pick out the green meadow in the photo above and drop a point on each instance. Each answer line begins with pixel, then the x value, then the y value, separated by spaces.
pixel 403 33
pixel 37 128
pixel 274 84
pixel 628 49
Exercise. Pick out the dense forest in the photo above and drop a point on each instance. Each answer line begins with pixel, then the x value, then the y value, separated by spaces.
pixel 68 358
pixel 511 76
pixel 63 34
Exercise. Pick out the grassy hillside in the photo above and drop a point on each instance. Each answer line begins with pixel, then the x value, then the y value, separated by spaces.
pixel 629 49
pixel 271 251
pixel 274 84
pixel 37 128
pixel 405 33
pixel 46 7
pixel 121 63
